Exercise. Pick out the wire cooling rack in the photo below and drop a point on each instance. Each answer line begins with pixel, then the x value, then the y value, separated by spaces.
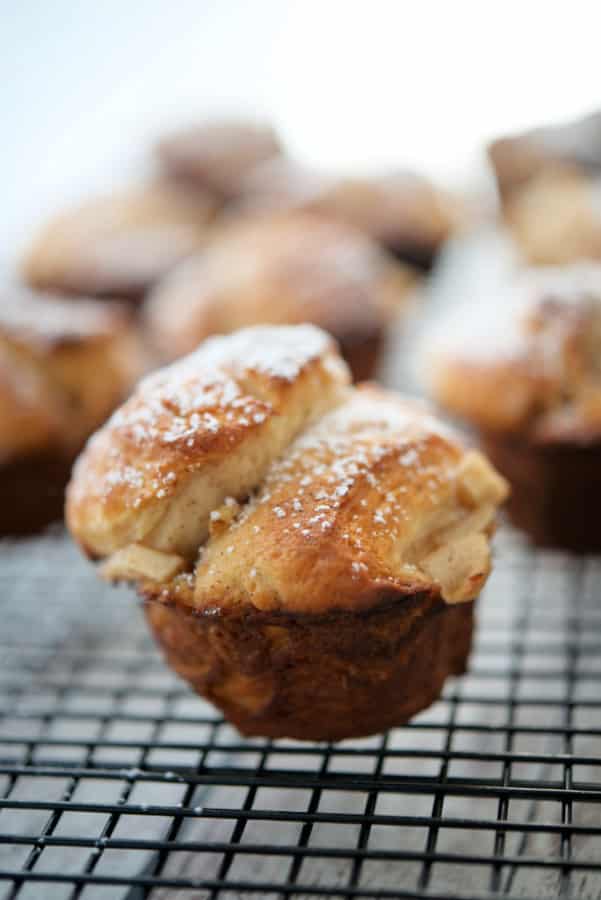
pixel 117 782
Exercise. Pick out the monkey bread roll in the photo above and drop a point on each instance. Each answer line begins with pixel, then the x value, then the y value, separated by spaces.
pixel 533 392
pixel 64 368
pixel 283 270
pixel 308 552
pixel 120 244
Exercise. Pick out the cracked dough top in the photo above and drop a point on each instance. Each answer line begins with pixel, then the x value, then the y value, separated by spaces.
pixel 336 498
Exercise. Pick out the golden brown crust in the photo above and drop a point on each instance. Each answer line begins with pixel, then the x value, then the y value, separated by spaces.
pixel 200 430
pixel 217 154
pixel 376 497
pixel 119 245
pixel 63 369
pixel 373 494
pixel 541 378
pixel 281 270
pixel 325 677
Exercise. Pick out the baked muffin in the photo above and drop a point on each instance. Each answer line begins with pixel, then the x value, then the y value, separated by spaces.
pixel 533 391
pixel 218 153
pixel 519 158
pixel 119 245
pixel 63 369
pixel 308 552
pixel 556 218
pixel 283 270
pixel 402 211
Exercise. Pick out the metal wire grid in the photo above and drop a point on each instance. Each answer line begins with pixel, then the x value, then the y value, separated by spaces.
pixel 116 782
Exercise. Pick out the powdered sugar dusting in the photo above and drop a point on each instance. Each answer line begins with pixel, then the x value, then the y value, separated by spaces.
pixel 344 463
pixel 280 352
pixel 201 400
pixel 500 329
pixel 200 394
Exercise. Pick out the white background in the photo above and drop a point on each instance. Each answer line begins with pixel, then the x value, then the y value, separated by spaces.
pixel 84 86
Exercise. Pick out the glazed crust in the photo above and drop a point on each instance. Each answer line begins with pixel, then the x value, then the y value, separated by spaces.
pixel 321 678
pixel 119 245
pixel 218 154
pixel 282 270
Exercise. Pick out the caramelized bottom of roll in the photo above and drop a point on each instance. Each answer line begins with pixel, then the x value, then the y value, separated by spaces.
pixel 555 490
pixel 321 678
